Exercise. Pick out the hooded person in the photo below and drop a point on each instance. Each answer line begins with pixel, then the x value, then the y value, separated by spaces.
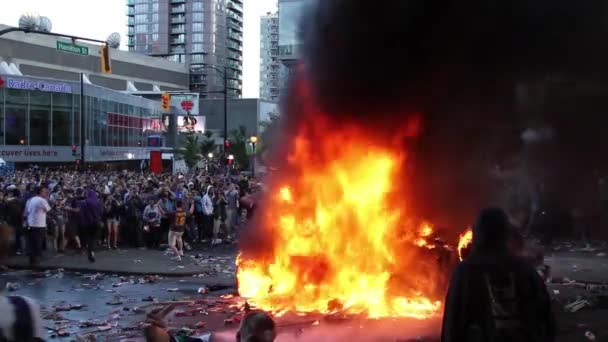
pixel 90 213
pixel 256 326
pixel 493 294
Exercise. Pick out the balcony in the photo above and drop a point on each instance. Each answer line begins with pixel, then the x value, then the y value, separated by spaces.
pixel 178 50
pixel 178 41
pixel 178 20
pixel 131 21
pixel 235 56
pixel 236 6
pixel 178 9
pixel 178 1
pixel 178 30
pixel 130 2
pixel 235 46
pixel 234 16
pixel 130 11
pixel 235 65
pixel 130 42
pixel 235 36
pixel 235 26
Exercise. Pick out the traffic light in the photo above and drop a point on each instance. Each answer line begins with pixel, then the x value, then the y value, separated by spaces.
pixel 74 150
pixel 230 160
pixel 227 143
pixel 106 66
pixel 165 101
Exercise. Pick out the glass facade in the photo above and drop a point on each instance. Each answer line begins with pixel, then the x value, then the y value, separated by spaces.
pixel 39 112
pixel 290 15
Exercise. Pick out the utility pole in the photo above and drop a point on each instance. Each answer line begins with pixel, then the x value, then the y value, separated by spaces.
pixel 82 124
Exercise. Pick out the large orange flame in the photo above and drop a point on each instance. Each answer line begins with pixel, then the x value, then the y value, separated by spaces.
pixel 341 239
pixel 464 242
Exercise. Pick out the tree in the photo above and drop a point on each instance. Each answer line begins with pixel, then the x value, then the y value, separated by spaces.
pixel 190 152
pixel 208 145
pixel 238 147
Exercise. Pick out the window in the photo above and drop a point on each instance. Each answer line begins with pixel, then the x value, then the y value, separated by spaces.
pixel 141 18
pixel 197 47
pixel 197 16
pixel 142 28
pixel 40 115
pixel 62 115
pixel 197 6
pixel 197 37
pixel 198 58
pixel 155 7
pixel 197 27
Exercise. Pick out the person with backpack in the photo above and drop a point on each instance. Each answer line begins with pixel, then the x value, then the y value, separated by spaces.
pixel 21 320
pixel 495 296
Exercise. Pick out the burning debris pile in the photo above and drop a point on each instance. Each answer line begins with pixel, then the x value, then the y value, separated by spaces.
pixel 338 235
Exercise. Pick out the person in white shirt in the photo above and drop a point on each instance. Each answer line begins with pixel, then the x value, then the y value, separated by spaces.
pixel 20 319
pixel 35 211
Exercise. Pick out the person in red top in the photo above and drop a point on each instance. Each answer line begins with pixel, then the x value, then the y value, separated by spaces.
pixel 177 231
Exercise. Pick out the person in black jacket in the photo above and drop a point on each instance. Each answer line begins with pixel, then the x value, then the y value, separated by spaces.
pixel 495 296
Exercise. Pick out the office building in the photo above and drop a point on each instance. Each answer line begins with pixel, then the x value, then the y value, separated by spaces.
pixel 196 33
pixel 43 56
pixel 40 121
pixel 272 72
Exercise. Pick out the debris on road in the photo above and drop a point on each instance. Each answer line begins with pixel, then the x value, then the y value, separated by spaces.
pixel 68 307
pixel 589 335
pixel 577 305
pixel 115 301
pixel 11 287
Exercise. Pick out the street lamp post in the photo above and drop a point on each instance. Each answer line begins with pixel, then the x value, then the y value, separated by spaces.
pixel 253 140
pixel 225 92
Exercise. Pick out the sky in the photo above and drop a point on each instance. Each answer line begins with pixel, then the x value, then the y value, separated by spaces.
pixel 96 19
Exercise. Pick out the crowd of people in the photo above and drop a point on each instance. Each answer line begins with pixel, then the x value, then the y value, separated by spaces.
pixel 60 210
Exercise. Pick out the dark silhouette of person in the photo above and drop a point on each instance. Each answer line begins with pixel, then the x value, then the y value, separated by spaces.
pixel 494 295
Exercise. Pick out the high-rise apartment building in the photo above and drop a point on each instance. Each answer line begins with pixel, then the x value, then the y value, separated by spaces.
pixel 272 72
pixel 290 15
pixel 198 33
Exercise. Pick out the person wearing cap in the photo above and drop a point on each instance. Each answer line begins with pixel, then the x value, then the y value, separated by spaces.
pixel 493 294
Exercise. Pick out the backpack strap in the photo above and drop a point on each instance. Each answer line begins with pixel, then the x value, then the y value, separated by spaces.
pixel 23 328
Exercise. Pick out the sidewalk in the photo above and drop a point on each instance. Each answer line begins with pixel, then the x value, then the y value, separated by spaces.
pixel 203 261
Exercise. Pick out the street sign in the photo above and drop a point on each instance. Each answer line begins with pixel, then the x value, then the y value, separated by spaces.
pixel 72 48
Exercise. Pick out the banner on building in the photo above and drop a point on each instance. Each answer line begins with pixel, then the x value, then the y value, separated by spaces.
pixel 156 162
pixel 185 104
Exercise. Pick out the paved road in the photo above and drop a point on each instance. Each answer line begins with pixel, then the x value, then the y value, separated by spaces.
pixel 210 261
pixel 53 289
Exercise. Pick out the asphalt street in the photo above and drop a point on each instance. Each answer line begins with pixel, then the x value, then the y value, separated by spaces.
pixel 111 306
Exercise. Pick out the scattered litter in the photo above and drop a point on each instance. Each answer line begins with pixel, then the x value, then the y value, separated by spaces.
pixel 104 327
pixel 589 335
pixel 202 290
pixel 173 290
pixel 115 301
pixel 92 323
pixel 68 307
pixel 11 287
pixel 576 305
